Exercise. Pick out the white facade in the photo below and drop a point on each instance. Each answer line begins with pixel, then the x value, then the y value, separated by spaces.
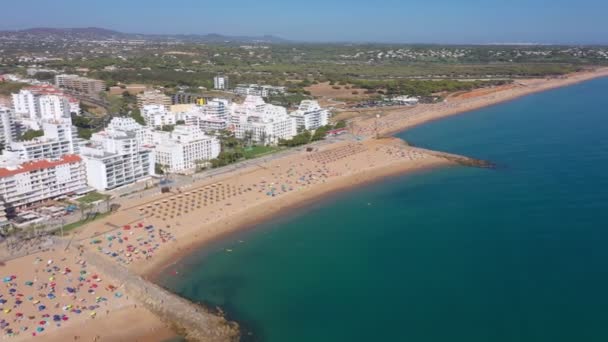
pixel 123 124
pixel 116 156
pixel 25 104
pixel 405 100
pixel 40 149
pixel 31 182
pixel 34 104
pixel 158 116
pixel 53 107
pixel 310 115
pixel 264 123
pixel 74 106
pixel 60 138
pixel 258 90
pixel 181 149
pixel 213 116
pixel 220 82
pixel 7 127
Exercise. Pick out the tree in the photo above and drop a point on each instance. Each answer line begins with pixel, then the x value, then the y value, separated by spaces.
pixel 85 133
pixel 30 134
pixel 248 137
pixel 136 115
pixel 264 137
pixel 300 139
pixel 167 128
pixel 159 169
pixel 320 133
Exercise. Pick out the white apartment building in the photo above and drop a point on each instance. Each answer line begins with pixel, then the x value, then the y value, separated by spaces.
pixel 123 124
pixel 25 104
pixel 4 222
pixel 158 116
pixel 34 104
pixel 53 107
pixel 220 82
pixel 60 138
pixel 31 182
pixel 180 150
pixel 207 123
pixel 258 90
pixel 310 115
pixel 74 105
pixel 405 100
pixel 213 116
pixel 116 156
pixel 8 131
pixel 217 108
pixel 265 123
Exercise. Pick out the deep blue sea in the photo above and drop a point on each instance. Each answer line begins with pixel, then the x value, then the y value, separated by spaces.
pixel 519 253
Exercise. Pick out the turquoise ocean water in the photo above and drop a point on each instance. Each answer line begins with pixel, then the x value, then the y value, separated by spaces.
pixel 458 254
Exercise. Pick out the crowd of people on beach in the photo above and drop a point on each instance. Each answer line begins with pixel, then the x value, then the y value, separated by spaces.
pixel 44 294
pixel 162 220
pixel 132 242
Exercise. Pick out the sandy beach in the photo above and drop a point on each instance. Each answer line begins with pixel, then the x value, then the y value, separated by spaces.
pixel 399 119
pixel 51 295
pixel 155 232
pixel 147 235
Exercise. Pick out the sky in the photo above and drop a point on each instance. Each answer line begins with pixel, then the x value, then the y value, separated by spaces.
pixel 399 21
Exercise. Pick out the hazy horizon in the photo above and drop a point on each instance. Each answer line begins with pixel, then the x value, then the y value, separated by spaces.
pixel 385 21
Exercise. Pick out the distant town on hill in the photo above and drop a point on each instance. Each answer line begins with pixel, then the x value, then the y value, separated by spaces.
pixel 95 33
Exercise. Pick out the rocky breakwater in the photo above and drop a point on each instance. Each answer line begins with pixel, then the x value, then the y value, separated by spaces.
pixel 458 159
pixel 190 320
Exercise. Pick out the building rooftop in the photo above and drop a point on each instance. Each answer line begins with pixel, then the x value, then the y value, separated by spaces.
pixel 38 165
